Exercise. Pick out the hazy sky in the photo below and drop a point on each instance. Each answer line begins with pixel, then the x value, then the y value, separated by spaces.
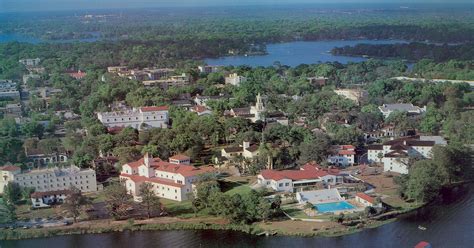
pixel 45 5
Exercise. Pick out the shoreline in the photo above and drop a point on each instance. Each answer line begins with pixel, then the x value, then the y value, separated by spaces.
pixel 165 224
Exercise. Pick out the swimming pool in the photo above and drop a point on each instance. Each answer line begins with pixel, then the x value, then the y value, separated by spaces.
pixel 333 206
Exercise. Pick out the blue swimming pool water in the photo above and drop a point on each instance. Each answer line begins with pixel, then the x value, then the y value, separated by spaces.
pixel 333 206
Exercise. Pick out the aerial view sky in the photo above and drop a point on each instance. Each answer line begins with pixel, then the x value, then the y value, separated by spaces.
pixel 50 5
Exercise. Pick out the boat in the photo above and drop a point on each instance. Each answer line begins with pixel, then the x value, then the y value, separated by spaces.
pixel 422 228
pixel 423 244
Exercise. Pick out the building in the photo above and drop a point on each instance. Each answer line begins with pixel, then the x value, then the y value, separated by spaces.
pixel 30 62
pixel 201 110
pixel 166 83
pixel 180 159
pixel 9 89
pixel 395 154
pixel 319 196
pixel 387 109
pixel 246 151
pixel 47 199
pixel 117 69
pixel 310 175
pixel 343 155
pixel 77 75
pixel 27 77
pixel 138 118
pixel 202 100
pixel 170 180
pixel 235 79
pixel 388 131
pixel 12 109
pixel 44 180
pixel 366 200
pixel 356 95
pixel 317 81
pixel 253 113
pixel 209 68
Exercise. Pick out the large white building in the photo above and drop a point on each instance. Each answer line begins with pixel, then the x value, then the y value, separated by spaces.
pixel 30 62
pixel 395 154
pixel 387 109
pixel 235 79
pixel 138 118
pixel 52 179
pixel 343 155
pixel 171 180
pixel 310 175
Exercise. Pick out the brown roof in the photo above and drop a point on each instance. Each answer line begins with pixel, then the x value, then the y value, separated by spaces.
pixel 48 193
pixel 154 108
pixel 185 170
pixel 396 154
pixel 252 148
pixel 141 179
pixel 10 168
pixel 233 149
pixel 180 157
pixel 375 147
pixel 420 143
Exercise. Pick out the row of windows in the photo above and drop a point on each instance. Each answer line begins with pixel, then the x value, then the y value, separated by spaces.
pixel 46 176
pixel 31 183
pixel 136 118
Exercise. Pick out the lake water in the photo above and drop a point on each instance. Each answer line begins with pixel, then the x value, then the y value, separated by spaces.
pixel 299 52
pixel 449 224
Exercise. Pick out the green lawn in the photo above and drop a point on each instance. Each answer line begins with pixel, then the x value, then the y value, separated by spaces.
pixel 235 187
pixel 294 212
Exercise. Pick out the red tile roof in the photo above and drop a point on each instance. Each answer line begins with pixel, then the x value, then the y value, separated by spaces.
pixel 180 157
pixel 154 108
pixel 366 197
pixel 307 171
pixel 10 168
pixel 348 147
pixel 423 244
pixel 142 179
pixel 78 74
pixel 185 170
pixel 199 109
pixel 346 152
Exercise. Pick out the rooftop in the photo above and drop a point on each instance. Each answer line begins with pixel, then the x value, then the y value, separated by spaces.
pixel 365 197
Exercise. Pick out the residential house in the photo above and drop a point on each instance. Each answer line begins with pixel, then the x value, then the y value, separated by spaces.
pixel 49 198
pixel 201 110
pixel 169 180
pixel 138 118
pixel 180 159
pixel 9 89
pixel 366 200
pixel 343 155
pixel 235 79
pixel 387 109
pixel 246 150
pixel 318 81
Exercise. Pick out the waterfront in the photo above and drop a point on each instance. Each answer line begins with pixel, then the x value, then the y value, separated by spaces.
pixel 449 224
pixel 299 52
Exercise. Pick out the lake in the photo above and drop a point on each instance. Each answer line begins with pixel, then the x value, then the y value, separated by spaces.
pixel 449 224
pixel 299 52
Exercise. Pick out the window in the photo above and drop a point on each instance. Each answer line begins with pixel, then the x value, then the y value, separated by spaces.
pixel 287 184
pixel 280 185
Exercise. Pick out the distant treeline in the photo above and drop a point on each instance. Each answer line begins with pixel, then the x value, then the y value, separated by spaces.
pixel 411 51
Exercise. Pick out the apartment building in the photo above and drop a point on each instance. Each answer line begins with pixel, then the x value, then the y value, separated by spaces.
pixel 138 118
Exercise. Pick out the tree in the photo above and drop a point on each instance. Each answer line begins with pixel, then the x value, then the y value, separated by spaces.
pixel 32 129
pixel 12 193
pixel 424 181
pixel 264 209
pixel 117 200
pixel 315 149
pixel 74 202
pixel 150 201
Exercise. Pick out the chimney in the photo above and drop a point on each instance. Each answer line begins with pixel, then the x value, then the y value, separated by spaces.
pixel 246 144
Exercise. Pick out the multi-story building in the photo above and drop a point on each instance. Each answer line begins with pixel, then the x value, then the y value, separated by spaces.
pixel 8 89
pixel 138 118
pixel 387 109
pixel 44 180
pixel 235 79
pixel 343 155
pixel 253 113
pixel 30 62
pixel 171 82
pixel 172 180
pixel 209 68
pixel 395 154
pixel 310 175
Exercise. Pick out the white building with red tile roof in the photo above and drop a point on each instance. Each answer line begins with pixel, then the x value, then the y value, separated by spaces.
pixel 138 118
pixel 367 200
pixel 170 180
pixel 201 110
pixel 343 155
pixel 309 175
